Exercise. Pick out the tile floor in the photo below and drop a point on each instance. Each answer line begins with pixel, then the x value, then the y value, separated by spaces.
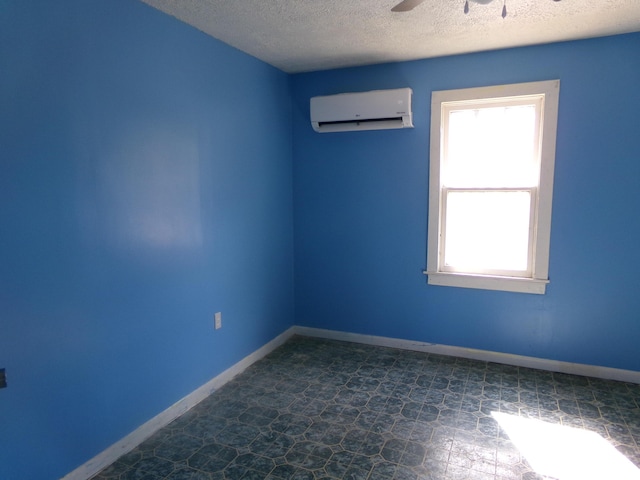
pixel 321 409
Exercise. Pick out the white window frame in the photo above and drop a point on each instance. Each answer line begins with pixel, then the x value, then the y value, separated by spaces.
pixel 535 280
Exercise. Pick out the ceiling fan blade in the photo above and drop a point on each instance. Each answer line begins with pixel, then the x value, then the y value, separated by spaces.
pixel 406 5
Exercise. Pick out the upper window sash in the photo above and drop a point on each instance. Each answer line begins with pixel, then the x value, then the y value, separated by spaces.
pixel 499 145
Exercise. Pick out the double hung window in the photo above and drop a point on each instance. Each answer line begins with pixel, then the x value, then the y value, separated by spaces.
pixel 491 184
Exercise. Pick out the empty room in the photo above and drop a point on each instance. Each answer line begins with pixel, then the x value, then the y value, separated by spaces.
pixel 297 239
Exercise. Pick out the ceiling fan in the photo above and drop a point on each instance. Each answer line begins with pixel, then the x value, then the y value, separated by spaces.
pixel 406 5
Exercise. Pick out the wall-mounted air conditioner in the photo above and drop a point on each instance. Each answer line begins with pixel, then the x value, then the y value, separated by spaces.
pixel 374 110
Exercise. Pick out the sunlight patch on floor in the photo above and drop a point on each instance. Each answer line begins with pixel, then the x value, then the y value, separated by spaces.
pixel 566 453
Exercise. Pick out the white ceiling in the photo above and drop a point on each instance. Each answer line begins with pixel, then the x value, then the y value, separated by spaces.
pixel 309 35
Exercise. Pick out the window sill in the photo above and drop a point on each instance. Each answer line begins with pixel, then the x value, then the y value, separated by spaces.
pixel 485 282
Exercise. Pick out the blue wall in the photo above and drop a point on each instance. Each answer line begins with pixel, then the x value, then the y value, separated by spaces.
pixel 145 183
pixel 361 198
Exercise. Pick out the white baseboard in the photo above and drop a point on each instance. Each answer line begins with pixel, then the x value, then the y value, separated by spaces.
pixel 607 373
pixel 139 435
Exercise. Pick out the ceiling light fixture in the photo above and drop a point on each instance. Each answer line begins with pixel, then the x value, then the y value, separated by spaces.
pixel 487 2
pixel 407 5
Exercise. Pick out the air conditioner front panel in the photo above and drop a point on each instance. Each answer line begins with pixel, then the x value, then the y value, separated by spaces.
pixel 374 110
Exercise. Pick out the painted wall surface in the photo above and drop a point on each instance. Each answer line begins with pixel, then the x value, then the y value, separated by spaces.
pixel 361 203
pixel 145 183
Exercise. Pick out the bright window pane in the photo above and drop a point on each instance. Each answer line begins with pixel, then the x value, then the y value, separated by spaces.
pixel 487 231
pixel 491 147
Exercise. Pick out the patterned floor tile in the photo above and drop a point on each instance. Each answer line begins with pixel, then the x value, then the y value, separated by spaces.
pixel 320 409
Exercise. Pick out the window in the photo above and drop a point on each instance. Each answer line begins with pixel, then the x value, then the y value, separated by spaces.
pixel 491 185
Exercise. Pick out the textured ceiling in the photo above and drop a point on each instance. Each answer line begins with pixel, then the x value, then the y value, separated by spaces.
pixel 308 35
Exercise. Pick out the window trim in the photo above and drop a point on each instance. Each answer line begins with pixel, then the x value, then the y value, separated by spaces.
pixel 539 278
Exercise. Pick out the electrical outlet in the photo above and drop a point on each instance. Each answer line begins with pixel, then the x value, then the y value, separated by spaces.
pixel 217 320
